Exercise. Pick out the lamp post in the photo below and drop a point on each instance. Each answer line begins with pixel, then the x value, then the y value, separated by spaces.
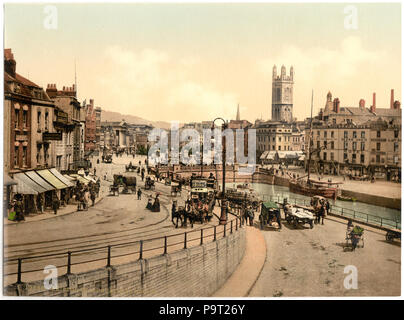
pixel 223 215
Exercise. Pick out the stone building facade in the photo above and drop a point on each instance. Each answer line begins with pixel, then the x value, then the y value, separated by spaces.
pixel 277 136
pixel 28 118
pixel 90 128
pixel 360 141
pixel 67 122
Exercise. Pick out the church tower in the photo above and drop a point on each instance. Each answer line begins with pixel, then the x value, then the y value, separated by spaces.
pixel 282 95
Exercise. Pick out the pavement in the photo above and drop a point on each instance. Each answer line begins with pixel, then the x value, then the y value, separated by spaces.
pixel 244 277
pixel 316 262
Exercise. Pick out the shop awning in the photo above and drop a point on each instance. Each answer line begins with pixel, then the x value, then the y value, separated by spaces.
pixel 38 179
pixel 71 179
pixel 29 182
pixel 23 188
pixel 271 155
pixel 58 175
pixel 89 179
pixel 80 178
pixel 51 179
pixel 264 155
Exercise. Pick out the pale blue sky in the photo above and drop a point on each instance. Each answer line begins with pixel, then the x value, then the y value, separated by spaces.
pixel 219 54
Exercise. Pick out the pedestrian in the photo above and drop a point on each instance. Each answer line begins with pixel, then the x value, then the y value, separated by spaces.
pixel 95 170
pixel 39 201
pixel 92 196
pixel 18 209
pixel 85 199
pixel 55 204
pixel 173 213
pixel 139 194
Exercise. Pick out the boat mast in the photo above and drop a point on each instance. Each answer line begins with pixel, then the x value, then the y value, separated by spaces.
pixel 310 138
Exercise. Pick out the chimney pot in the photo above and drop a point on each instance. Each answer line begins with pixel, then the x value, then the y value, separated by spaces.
pixel 392 99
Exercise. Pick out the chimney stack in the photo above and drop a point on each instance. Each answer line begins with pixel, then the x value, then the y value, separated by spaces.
pixel 335 104
pixel 392 99
pixel 362 103
pixel 373 107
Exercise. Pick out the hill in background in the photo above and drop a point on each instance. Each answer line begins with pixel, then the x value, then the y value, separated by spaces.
pixel 116 116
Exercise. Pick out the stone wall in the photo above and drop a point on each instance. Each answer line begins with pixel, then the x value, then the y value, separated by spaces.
pixel 197 271
pixel 392 203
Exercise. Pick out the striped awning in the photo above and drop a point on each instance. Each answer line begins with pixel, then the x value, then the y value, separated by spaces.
pixel 89 179
pixel 8 181
pixel 71 179
pixel 23 188
pixel 80 178
pixel 264 155
pixel 39 180
pixel 22 177
pixel 62 178
pixel 51 179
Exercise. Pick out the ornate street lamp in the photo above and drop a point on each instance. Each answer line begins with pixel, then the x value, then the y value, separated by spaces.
pixel 223 215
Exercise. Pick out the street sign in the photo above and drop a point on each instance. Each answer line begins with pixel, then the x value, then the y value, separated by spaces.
pixel 47 136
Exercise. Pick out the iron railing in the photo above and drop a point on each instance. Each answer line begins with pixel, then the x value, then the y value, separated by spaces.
pixel 344 212
pixel 136 248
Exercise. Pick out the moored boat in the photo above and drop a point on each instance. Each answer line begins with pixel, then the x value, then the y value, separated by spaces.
pixel 311 187
pixel 343 198
pixel 302 187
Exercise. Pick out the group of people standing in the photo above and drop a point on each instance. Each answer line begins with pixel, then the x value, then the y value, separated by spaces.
pixel 85 193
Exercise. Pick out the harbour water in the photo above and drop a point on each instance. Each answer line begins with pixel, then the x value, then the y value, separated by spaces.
pixel 265 191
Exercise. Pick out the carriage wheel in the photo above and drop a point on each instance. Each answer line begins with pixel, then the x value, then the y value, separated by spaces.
pixel 311 224
pixel 389 237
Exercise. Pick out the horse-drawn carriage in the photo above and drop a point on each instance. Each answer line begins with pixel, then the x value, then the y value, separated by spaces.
pixel 127 181
pixel 355 237
pixel 130 167
pixel 175 189
pixel 270 213
pixel 243 198
pixel 149 184
pixel 393 234
pixel 107 158
pixel 298 216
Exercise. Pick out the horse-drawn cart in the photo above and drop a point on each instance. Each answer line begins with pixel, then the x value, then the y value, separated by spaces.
pixel 127 181
pixel 149 184
pixel 130 168
pixel 393 234
pixel 296 216
pixel 270 213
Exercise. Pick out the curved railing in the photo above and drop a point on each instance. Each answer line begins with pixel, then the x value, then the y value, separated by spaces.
pixel 343 212
pixel 140 249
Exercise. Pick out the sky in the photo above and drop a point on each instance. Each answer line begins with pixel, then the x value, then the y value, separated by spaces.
pixel 194 62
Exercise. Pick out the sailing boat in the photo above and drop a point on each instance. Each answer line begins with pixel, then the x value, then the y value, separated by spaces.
pixel 311 187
